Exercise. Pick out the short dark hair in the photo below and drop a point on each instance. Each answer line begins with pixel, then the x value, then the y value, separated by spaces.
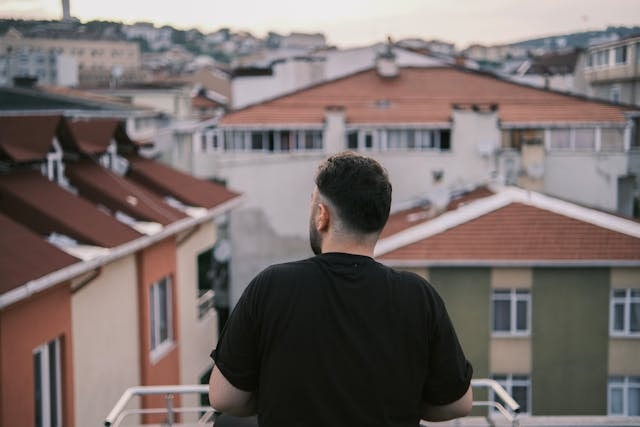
pixel 358 187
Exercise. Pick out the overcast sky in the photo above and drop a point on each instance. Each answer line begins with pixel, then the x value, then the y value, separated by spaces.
pixel 348 23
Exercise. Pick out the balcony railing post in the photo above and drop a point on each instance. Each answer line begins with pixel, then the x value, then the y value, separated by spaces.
pixel 169 399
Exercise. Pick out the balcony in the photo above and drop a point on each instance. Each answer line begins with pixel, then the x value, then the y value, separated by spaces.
pixel 504 413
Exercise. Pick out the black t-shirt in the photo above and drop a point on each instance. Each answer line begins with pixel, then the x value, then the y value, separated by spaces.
pixel 342 340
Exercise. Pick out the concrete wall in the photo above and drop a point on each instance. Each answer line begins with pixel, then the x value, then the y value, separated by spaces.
pixel 570 337
pixel 106 342
pixel 197 335
pixel 588 178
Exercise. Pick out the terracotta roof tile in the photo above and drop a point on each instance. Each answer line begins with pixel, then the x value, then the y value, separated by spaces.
pixel 26 256
pixel 407 218
pixel 91 136
pixel 27 139
pixel 104 187
pixel 166 181
pixel 423 95
pixel 45 207
pixel 522 232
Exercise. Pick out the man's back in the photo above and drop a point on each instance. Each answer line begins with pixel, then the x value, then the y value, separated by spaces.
pixel 341 340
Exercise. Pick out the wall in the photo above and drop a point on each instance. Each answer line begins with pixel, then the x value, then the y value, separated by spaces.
pixel 570 335
pixel 509 354
pixel 154 263
pixel 624 353
pixel 197 336
pixel 464 290
pixel 588 178
pixel 106 340
pixel 23 327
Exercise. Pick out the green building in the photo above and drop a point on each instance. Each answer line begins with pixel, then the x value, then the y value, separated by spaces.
pixel 544 294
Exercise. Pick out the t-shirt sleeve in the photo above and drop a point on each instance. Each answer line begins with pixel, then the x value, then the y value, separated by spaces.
pixel 449 372
pixel 236 354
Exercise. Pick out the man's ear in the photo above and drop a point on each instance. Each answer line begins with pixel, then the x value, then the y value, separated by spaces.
pixel 323 217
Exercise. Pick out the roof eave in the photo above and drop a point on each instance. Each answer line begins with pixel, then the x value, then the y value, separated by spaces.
pixel 74 270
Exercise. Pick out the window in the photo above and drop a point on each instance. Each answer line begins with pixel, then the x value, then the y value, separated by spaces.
pixel 612 139
pixel 614 94
pixel 417 139
pixel 623 396
pixel 511 311
pixel 516 138
pixel 47 385
pixel 625 312
pixel 518 387
pixel 620 55
pixel 160 312
pixel 585 139
pixel 560 139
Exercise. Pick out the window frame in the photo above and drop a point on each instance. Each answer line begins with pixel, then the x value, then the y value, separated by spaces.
pixel 624 384
pixel 513 296
pixel 627 301
pixel 158 346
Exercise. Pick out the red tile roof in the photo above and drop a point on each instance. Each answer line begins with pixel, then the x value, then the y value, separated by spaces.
pixel 89 136
pixel 45 207
pixel 166 181
pixel 26 256
pixel 401 220
pixel 27 139
pixel 104 187
pixel 520 232
pixel 423 95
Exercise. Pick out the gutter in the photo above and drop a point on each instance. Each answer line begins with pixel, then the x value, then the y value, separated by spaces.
pixel 67 273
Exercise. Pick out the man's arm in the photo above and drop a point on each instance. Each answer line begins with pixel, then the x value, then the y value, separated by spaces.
pixel 227 398
pixel 457 409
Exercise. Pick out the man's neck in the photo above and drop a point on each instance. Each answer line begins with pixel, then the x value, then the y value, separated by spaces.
pixel 336 245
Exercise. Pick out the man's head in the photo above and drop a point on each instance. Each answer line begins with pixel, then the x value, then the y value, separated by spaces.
pixel 357 192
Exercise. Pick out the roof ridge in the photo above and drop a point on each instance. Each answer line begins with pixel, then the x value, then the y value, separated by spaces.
pixel 504 197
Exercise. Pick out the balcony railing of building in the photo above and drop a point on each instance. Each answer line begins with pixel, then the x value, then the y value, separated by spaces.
pixel 508 408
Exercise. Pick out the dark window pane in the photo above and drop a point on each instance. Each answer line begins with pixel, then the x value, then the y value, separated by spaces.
pixel 520 395
pixel 618 317
pixel 37 375
pixel 501 316
pixel 634 323
pixel 53 383
pixel 522 317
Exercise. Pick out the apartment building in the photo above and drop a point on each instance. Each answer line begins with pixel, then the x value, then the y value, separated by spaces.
pixel 544 293
pixel 99 62
pixel 613 70
pixel 436 129
pixel 49 68
pixel 101 288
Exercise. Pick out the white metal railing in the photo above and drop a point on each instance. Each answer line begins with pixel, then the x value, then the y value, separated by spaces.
pixel 510 412
pixel 119 412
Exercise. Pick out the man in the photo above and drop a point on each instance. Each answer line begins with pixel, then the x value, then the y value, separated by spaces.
pixel 339 339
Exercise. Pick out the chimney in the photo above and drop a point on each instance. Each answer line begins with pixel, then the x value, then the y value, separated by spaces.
pixel 386 62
